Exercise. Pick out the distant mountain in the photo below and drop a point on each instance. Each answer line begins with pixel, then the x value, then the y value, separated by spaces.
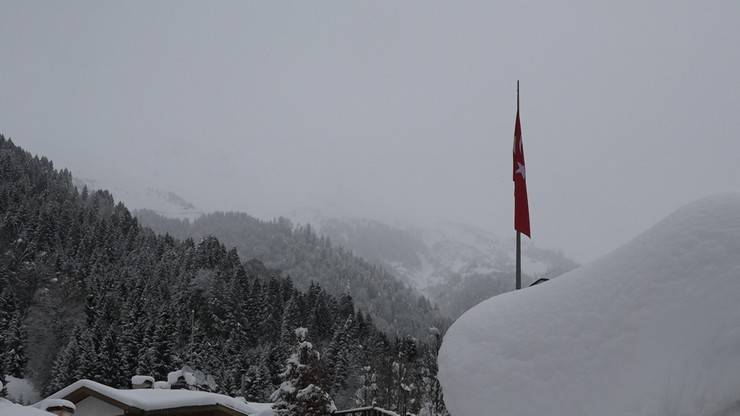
pixel 163 202
pixel 456 265
pixel 395 305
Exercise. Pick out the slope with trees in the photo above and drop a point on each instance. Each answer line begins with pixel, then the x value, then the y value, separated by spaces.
pixel 87 292
pixel 307 256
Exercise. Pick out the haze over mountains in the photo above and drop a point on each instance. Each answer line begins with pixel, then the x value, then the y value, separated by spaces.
pixel 455 265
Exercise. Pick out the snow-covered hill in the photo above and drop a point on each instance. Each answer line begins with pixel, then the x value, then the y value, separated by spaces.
pixel 650 329
pixel 163 202
pixel 457 265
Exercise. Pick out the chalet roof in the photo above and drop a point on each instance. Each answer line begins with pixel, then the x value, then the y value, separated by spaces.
pixel 155 400
pixel 366 410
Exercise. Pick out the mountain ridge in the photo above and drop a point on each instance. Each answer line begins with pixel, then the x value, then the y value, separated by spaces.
pixel 455 264
pixel 307 256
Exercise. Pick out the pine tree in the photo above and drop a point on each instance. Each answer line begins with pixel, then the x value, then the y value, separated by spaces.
pixel 338 358
pixel 64 370
pixel 89 365
pixel 367 393
pixel 256 384
pixel 129 341
pixel 291 320
pixel 14 347
pixel 158 358
pixel 300 392
pixel 114 372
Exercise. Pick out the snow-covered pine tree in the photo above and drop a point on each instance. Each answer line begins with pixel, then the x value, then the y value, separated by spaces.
pixel 256 384
pixel 88 365
pixel 321 320
pixel 367 394
pixel 158 358
pixel 130 339
pixel 113 373
pixel 300 393
pixel 339 357
pixel 291 320
pixel 65 365
pixel 14 340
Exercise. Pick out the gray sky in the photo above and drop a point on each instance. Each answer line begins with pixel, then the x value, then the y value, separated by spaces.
pixel 397 110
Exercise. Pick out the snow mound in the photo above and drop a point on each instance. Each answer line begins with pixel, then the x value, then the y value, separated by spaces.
pixel 21 390
pixel 139 380
pixel 8 408
pixel 650 329
pixel 161 385
pixel 174 376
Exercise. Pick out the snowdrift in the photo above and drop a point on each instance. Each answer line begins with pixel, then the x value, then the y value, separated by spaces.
pixel 651 329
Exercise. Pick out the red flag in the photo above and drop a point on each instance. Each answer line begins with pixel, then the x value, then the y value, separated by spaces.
pixel 521 206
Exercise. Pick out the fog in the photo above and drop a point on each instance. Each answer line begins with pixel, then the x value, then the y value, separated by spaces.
pixel 401 111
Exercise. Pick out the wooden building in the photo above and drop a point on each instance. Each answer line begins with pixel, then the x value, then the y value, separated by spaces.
pixel 95 399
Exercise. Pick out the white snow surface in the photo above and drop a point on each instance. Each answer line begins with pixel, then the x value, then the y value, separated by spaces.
pixel 651 329
pixel 161 385
pixel 139 379
pixel 48 403
pixel 156 399
pixel 21 390
pixel 173 376
pixel 8 408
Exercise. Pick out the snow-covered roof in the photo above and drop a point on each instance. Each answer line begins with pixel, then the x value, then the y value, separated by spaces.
pixel 159 399
pixel 139 380
pixel 173 376
pixel 161 385
pixel 651 329
pixel 8 408
pixel 47 404
pixel 366 408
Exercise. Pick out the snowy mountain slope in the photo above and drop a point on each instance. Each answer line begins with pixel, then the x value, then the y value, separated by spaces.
pixel 457 265
pixel 650 329
pixel 163 202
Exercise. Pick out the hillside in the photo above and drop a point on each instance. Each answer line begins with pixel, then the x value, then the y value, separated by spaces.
pixel 87 292
pixel 306 256
pixel 455 265
pixel 163 202
pixel 651 329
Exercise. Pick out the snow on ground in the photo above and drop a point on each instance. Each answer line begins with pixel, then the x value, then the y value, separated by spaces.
pixel 651 329
pixel 8 408
pixel 21 390
pixel 156 399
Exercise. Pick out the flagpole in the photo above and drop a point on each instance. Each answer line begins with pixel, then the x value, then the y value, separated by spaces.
pixel 518 234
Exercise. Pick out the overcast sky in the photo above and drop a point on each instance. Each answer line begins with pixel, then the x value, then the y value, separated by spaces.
pixel 388 109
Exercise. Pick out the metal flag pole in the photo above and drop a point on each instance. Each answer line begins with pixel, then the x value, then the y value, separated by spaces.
pixel 518 234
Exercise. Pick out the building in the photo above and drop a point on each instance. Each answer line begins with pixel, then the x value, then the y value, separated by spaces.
pixel 95 399
pixel 58 407
pixel 365 411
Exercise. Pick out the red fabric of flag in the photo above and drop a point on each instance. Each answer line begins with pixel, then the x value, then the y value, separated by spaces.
pixel 521 205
